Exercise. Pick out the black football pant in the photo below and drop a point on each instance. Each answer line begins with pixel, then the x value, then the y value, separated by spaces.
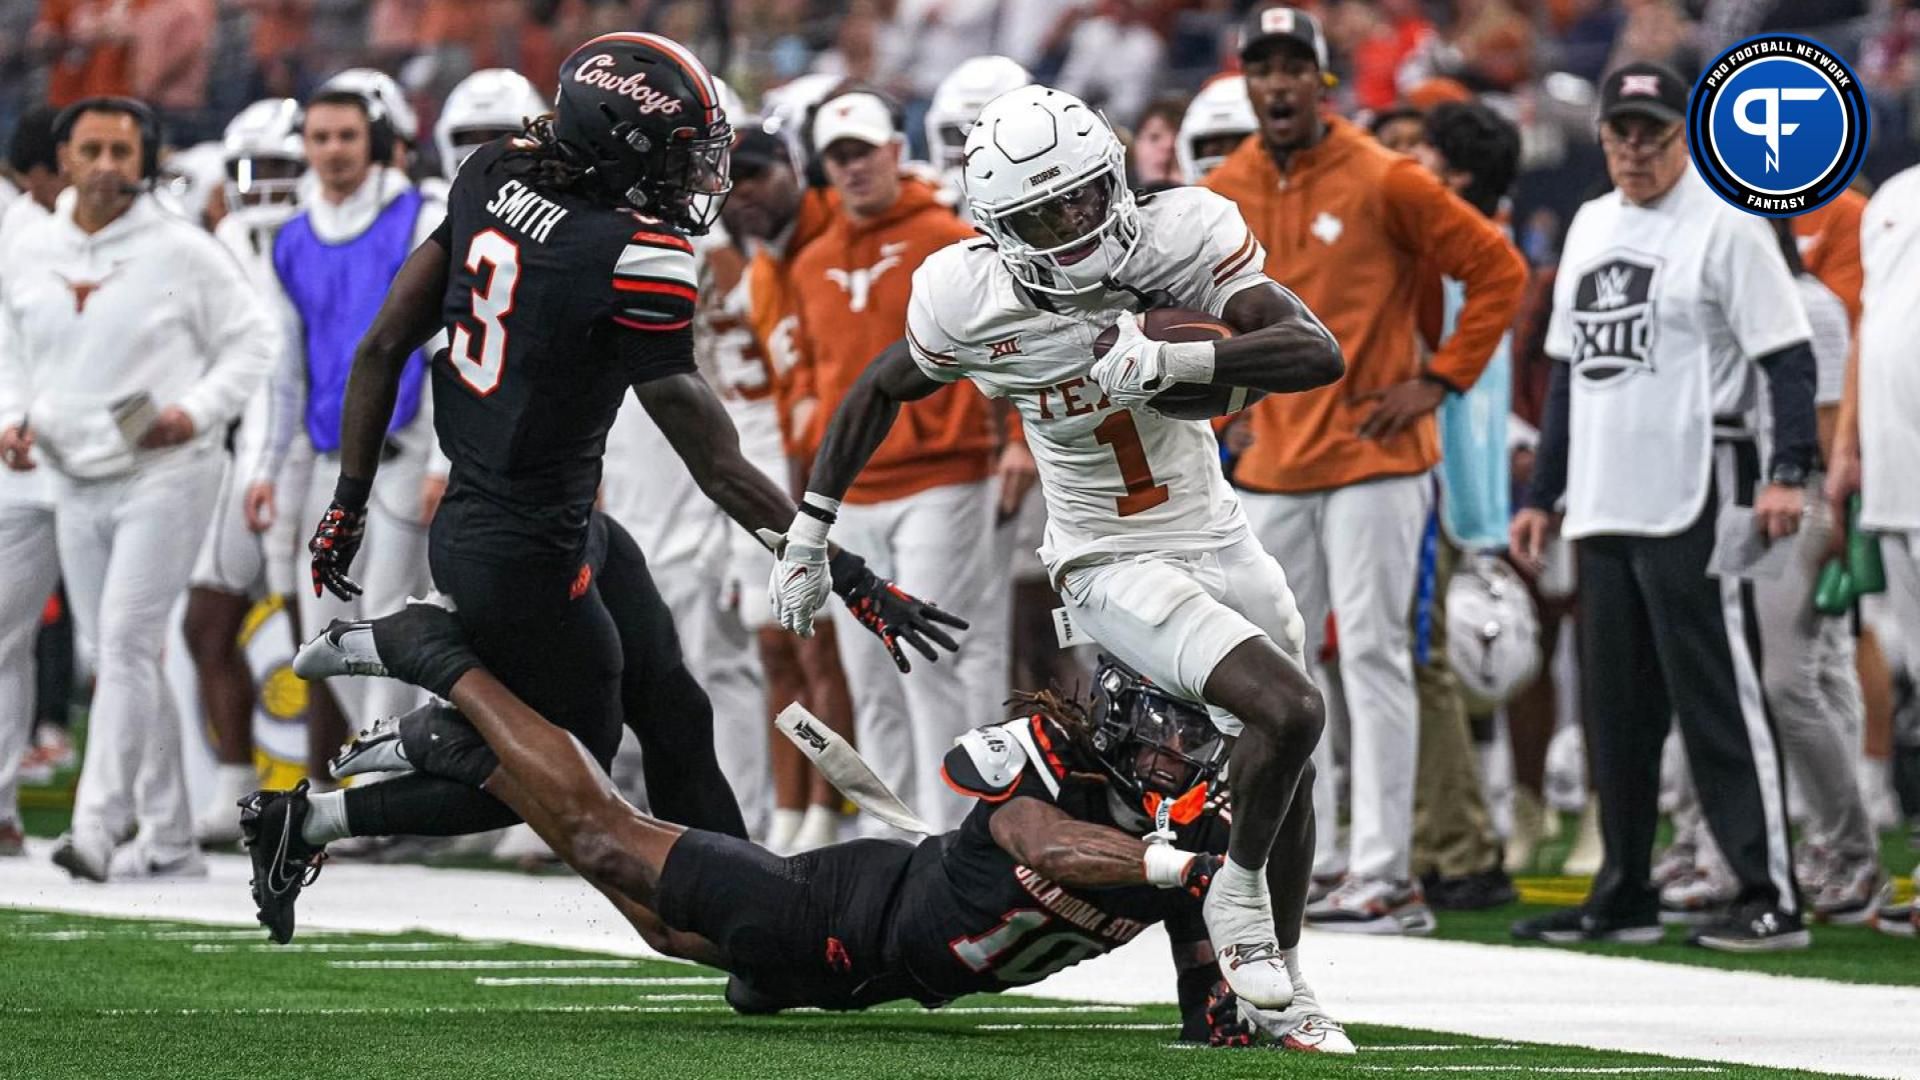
pixel 1662 641
pixel 587 645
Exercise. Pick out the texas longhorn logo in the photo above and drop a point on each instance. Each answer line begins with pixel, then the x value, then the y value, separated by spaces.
pixel 83 290
pixel 593 72
pixel 1777 125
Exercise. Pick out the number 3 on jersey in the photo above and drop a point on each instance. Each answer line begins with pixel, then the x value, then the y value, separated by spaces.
pixel 482 373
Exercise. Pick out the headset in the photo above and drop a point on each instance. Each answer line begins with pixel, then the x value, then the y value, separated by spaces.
pixel 143 116
pixel 380 133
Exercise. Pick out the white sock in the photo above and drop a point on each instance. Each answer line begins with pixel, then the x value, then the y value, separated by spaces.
pixel 818 819
pixel 1237 880
pixel 326 818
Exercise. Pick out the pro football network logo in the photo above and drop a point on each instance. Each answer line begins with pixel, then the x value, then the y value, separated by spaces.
pixel 1778 125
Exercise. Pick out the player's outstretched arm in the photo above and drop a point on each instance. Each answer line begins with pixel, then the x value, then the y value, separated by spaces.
pixel 1083 855
pixel 700 430
pixel 1279 346
pixel 407 318
pixel 864 418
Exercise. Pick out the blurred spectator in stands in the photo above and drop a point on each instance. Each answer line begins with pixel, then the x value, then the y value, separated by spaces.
pixel 88 44
pixel 861 49
pixel 1399 129
pixel 279 30
pixel 1115 50
pixel 1035 32
pixel 1656 31
pixel 1377 39
pixel 1151 161
pixel 172 60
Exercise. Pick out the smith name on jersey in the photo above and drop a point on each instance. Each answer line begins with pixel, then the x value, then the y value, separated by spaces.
pixel 1116 481
pixel 555 306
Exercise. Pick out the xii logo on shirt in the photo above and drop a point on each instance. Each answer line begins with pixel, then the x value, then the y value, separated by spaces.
pixel 1613 326
pixel 858 283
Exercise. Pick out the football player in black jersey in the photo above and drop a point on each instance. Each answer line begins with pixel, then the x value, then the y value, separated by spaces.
pixel 1048 868
pixel 564 277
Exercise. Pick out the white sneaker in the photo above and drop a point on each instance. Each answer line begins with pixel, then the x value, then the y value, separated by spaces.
pixel 1814 865
pixel 84 853
pixel 780 834
pixel 218 823
pixel 1677 863
pixel 1588 852
pixel 1363 905
pixel 1700 898
pixel 135 861
pixel 818 828
pixel 1854 889
pixel 1240 928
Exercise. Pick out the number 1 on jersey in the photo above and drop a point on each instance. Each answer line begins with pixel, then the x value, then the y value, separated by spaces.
pixel 1118 433
pixel 482 373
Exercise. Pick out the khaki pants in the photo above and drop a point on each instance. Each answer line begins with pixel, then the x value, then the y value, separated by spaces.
pixel 1453 834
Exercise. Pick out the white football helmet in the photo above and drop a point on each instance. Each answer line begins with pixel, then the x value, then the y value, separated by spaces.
pixel 265 157
pixel 1493 631
pixel 482 107
pixel 1046 180
pixel 957 103
pixel 786 106
pixel 1219 112
pixel 381 88
pixel 188 178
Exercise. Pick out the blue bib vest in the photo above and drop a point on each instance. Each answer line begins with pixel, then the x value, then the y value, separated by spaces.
pixel 338 289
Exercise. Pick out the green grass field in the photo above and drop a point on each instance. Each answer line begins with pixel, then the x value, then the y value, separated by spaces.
pixel 96 998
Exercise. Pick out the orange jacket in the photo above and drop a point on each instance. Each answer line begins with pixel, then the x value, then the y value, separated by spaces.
pixel 852 283
pixel 1358 231
pixel 774 313
pixel 1830 246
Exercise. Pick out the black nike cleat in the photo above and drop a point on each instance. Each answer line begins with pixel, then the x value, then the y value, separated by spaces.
pixel 283 862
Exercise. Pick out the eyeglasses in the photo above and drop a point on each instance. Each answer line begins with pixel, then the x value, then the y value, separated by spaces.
pixel 1641 142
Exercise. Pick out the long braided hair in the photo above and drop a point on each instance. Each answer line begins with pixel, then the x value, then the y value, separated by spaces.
pixel 538 155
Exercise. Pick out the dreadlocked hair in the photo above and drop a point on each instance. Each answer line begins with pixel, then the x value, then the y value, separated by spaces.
pixel 539 155
pixel 1065 709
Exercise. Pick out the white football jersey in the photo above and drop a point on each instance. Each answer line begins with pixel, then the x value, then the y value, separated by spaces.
pixel 1117 482
pixel 1663 311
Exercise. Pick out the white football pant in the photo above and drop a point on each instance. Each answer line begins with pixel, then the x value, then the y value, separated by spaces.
pixel 32 562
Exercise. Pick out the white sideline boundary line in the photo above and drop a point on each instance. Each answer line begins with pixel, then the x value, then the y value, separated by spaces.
pixel 1556 1070
pixel 519 965
pixel 357 947
pixel 1485 991
pixel 598 980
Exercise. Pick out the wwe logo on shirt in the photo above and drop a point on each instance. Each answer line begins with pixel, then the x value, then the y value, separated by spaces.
pixel 1613 320
pixel 858 283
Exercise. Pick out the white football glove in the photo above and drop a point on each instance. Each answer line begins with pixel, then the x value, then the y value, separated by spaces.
pixel 1132 371
pixel 801 581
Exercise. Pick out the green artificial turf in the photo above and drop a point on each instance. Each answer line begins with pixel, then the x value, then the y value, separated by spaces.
pixel 91 998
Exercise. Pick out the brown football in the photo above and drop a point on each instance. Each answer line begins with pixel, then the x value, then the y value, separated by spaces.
pixel 1186 401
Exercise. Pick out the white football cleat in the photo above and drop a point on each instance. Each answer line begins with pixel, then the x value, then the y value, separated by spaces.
pixel 1303 1026
pixel 1243 938
pixel 345 647
pixel 375 748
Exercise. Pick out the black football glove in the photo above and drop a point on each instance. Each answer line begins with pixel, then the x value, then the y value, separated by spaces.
pixel 888 611
pixel 336 540
pixel 1200 873
pixel 1225 1027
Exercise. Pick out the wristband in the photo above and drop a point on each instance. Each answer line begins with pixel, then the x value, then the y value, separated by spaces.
pixel 352 492
pixel 1187 361
pixel 1166 865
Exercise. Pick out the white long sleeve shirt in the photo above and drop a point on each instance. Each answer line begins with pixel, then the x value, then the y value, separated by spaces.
pixel 150 304
pixel 30 488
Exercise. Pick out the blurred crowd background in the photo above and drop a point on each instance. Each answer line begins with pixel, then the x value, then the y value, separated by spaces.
pixel 1537 61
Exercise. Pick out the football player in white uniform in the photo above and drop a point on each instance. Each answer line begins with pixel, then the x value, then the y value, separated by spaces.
pixel 264 158
pixel 1144 537
pixel 957 103
pixel 1217 119
pixel 484 106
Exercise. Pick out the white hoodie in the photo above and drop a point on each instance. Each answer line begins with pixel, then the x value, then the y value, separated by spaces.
pixel 148 304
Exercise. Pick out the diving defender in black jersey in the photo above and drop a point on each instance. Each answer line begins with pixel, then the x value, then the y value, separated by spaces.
pixel 564 277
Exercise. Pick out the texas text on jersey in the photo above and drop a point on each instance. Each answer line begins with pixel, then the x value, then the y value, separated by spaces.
pixel 555 306
pixel 1116 480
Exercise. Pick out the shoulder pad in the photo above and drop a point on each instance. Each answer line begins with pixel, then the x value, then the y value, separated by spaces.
pixel 985 763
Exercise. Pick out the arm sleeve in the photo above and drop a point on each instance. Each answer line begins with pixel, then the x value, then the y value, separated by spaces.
pixel 1550 460
pixel 1222 256
pixel 935 353
pixel 1791 373
pixel 237 334
pixel 1438 227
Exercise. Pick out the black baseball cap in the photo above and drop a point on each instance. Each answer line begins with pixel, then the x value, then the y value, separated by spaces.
pixel 1644 88
pixel 757 149
pixel 1279 22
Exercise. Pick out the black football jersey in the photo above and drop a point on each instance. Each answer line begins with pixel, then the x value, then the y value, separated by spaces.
pixel 555 306
pixel 971 920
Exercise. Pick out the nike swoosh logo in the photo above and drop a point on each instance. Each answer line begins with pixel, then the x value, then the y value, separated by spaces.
pixel 796 574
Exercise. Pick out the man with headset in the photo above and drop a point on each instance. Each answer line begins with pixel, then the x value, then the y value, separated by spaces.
pixel 129 340
pixel 333 261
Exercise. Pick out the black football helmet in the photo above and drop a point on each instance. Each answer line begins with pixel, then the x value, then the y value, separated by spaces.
pixel 1152 745
pixel 642 114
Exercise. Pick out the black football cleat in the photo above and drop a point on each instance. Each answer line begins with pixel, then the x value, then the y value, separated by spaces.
pixel 283 862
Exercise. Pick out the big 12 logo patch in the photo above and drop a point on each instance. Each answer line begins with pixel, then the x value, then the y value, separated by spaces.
pixel 1613 319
